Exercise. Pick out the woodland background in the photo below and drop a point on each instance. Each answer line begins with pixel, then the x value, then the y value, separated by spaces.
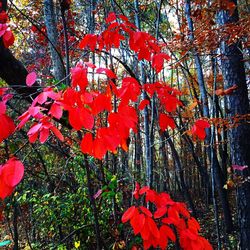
pixel 69 200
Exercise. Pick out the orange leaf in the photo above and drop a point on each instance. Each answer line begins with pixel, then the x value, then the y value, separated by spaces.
pixel 230 90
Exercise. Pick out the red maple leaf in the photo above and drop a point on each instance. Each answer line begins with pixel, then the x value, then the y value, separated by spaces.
pixel 79 76
pixel 158 61
pixel 143 104
pixel 166 121
pixel 130 90
pixel 199 127
pixel 89 40
pixel 11 173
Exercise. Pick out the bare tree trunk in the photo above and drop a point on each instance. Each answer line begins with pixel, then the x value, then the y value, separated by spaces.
pixel 204 99
pixel 50 22
pixel 148 148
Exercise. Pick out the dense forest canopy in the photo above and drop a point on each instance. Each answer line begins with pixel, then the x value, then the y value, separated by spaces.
pixel 124 124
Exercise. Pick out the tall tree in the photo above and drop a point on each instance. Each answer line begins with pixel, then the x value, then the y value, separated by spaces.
pixel 51 27
pixel 238 105
pixel 205 108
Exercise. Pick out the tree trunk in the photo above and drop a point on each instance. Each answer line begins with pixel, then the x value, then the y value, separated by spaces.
pixel 147 136
pixel 14 73
pixel 238 104
pixel 180 177
pixel 204 99
pixel 50 22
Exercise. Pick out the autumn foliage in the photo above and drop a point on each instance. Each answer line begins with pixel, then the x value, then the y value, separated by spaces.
pixel 84 107
pixel 170 221
pixel 5 32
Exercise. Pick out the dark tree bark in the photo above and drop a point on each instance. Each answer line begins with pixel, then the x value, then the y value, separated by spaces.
pixel 14 73
pixel 179 170
pixel 238 104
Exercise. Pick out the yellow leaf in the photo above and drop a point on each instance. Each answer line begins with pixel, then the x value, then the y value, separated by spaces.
pixel 77 244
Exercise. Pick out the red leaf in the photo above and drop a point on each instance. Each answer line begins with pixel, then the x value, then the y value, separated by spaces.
pixel 144 190
pixel 89 40
pixel 137 223
pixel 136 191
pixel 80 117
pixel 168 232
pixel 158 61
pixel 145 233
pixel 34 129
pixel 5 190
pixel 87 144
pixel 7 127
pixel 87 120
pixel 111 17
pixel 31 79
pixel 219 92
pixel 153 228
pixel 44 134
pixel 2 107
pixel 163 240
pixel 101 102
pixel 108 72
pixel 8 38
pixel 193 224
pixel 79 77
pixel 166 121
pixel 57 133
pixel 12 172
pixel 99 148
pixel 128 214
pixel 143 104
pixel 230 90
pixel 202 123
pixel 198 128
pixel 151 196
pixel 130 90
pixel 160 212
pixel 56 111
pixel 146 211
pixel 33 137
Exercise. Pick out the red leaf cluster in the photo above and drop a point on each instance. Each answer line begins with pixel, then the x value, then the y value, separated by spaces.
pixel 199 127
pixel 158 61
pixel 43 125
pixel 7 126
pixel 166 121
pixel 11 173
pixel 156 229
pixel 142 43
pixel 166 95
pixel 5 32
